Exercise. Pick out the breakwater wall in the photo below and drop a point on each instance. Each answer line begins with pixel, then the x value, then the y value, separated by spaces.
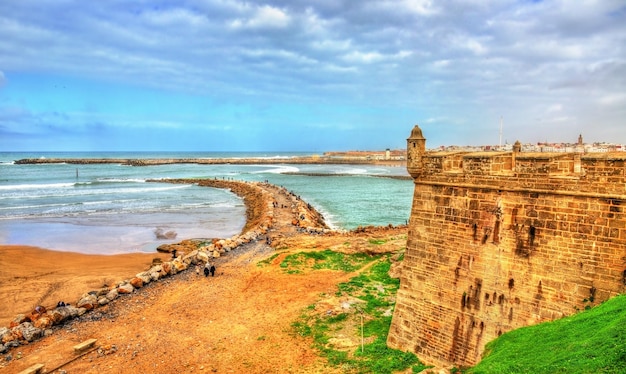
pixel 315 160
pixel 502 240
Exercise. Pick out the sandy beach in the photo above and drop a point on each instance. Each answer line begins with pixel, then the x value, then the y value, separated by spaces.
pixel 33 276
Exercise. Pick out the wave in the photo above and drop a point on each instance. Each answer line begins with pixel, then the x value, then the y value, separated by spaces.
pixel 32 186
pixel 14 208
pixel 35 186
pixel 356 171
pixel 51 192
pixel 278 170
pixel 120 180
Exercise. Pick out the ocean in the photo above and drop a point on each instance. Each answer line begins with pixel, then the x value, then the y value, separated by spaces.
pixel 110 209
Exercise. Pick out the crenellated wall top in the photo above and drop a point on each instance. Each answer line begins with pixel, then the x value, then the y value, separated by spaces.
pixel 600 174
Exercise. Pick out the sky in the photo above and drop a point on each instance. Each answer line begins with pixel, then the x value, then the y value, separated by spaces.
pixel 311 76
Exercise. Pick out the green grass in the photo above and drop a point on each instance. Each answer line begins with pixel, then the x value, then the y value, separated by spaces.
pixel 377 292
pixel 268 260
pixel 593 341
pixel 327 259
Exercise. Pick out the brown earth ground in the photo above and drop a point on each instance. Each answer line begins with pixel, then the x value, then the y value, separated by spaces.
pixel 237 322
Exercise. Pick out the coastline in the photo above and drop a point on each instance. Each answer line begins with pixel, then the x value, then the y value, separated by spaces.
pixel 34 276
pixel 238 321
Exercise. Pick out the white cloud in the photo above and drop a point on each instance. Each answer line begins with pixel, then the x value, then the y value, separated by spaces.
pixel 180 17
pixel 441 64
pixel 331 45
pixel 617 100
pixel 264 17
pixel 374 57
pixel 363 57
pixel 416 7
pixel 555 108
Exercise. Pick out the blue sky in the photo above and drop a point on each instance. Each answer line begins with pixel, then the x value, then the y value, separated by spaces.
pixel 290 75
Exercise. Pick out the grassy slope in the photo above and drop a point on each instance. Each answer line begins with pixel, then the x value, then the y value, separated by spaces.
pixel 593 341
pixel 376 292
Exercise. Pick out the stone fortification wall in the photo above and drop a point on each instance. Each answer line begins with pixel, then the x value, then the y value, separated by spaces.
pixel 498 241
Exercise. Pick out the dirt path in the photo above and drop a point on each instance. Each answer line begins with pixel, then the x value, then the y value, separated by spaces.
pixel 236 322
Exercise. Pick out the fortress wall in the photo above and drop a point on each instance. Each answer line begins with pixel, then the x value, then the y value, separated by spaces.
pixel 498 241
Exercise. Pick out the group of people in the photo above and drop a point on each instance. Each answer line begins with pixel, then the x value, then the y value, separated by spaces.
pixel 209 268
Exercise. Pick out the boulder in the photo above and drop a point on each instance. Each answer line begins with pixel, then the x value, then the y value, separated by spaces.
pixel 112 295
pixel 202 256
pixel 145 277
pixel 166 268
pixel 27 331
pixel 60 314
pixel 103 301
pixel 162 234
pixel 125 289
pixel 156 268
pixel 20 318
pixel 166 248
pixel 44 322
pixel 7 335
pixel 88 301
pixel 191 258
pixel 136 282
pixel 75 312
pixel 179 265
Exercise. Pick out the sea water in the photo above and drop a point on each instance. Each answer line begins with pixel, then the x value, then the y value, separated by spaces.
pixel 110 208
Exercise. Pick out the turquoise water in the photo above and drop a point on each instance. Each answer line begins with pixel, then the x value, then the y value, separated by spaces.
pixel 111 209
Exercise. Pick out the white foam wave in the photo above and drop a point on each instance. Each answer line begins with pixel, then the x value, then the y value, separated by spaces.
pixel 225 205
pixel 121 180
pixel 34 186
pixel 32 206
pixel 356 171
pixel 49 192
pixel 278 170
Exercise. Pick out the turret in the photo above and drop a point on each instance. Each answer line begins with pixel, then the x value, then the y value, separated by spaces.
pixel 415 149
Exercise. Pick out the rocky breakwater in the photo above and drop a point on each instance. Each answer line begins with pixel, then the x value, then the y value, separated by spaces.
pixel 259 217
pixel 261 202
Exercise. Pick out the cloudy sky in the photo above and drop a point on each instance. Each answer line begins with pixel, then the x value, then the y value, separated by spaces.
pixel 292 75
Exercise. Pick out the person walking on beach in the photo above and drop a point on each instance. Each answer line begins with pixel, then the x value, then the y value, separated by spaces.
pixel 212 269
pixel 207 268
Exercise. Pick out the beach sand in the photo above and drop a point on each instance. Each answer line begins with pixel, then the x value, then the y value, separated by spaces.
pixel 31 276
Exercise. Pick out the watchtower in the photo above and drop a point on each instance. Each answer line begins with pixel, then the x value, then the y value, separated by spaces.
pixel 415 150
